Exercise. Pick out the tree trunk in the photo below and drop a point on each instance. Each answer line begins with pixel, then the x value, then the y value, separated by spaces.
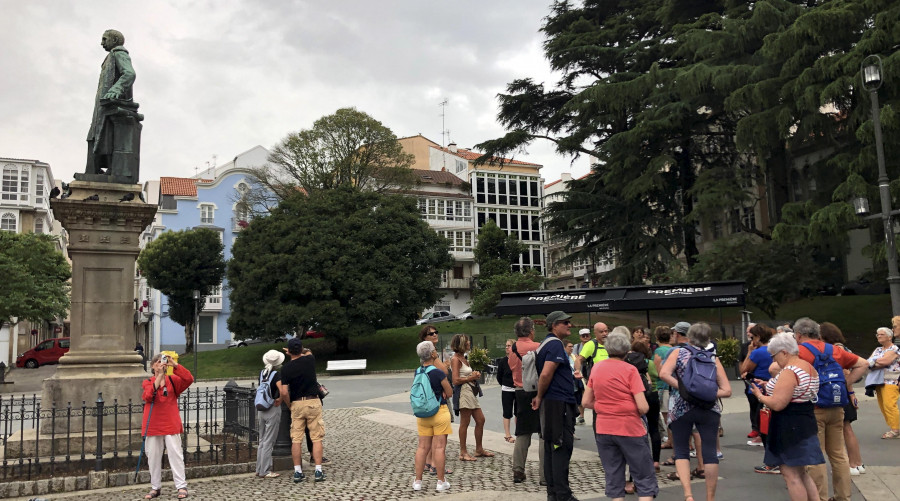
pixel 342 344
pixel 189 336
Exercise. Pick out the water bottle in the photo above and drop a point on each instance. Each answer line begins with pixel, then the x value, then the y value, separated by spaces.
pixel 836 392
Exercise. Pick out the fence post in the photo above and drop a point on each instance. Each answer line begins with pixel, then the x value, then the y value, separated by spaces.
pixel 231 410
pixel 282 447
pixel 99 451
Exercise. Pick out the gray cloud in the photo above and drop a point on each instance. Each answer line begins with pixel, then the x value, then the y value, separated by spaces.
pixel 221 77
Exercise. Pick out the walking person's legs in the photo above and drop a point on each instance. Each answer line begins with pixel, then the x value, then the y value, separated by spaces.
pixel 465 415
pixel 153 447
pixel 800 486
pixel 176 461
pixel 269 421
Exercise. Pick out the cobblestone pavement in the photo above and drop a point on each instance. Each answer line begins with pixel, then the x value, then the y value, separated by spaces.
pixel 373 461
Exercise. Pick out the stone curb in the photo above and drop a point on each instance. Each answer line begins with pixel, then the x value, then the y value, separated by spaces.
pixel 104 479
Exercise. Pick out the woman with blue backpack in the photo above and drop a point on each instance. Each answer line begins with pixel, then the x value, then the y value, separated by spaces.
pixel 698 381
pixel 428 397
pixel 268 412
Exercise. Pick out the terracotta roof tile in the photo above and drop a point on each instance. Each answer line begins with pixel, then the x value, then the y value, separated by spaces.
pixel 472 155
pixel 178 186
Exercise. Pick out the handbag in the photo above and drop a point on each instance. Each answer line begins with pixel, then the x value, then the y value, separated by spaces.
pixel 765 414
pixel 323 391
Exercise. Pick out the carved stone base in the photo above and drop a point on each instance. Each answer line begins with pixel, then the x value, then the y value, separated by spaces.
pixel 104 237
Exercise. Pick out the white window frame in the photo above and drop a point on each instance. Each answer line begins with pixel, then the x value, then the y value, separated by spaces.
pixel 10 183
pixel 39 225
pixel 39 188
pixel 211 218
pixel 5 217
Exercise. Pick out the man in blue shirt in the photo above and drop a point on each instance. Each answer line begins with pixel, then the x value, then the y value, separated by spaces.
pixel 556 401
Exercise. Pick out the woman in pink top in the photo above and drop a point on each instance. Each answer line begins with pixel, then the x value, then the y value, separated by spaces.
pixel 616 393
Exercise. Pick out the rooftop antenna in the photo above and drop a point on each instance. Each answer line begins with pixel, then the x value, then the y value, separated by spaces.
pixel 212 168
pixel 196 170
pixel 445 134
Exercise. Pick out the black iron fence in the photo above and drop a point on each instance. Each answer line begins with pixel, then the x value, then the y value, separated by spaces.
pixel 219 428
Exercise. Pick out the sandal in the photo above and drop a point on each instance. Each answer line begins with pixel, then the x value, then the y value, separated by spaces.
pixel 629 489
pixel 154 493
pixel 698 473
pixel 510 440
pixel 673 476
pixel 484 454
pixel 669 462
pixel 467 458
pixel 892 434
pixel 182 493
pixel 430 469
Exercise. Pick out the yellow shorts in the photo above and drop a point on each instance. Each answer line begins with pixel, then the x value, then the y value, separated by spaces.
pixel 439 424
pixel 307 414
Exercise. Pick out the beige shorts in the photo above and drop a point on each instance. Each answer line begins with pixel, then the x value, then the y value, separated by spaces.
pixel 307 414
pixel 664 400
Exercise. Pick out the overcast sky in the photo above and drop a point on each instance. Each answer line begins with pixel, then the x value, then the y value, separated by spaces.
pixel 219 77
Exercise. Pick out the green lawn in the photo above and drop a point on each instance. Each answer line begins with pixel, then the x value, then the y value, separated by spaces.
pixel 392 349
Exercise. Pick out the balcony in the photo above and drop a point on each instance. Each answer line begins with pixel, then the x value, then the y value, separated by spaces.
pixel 456 283
pixel 213 303
pixel 239 224
pixel 462 255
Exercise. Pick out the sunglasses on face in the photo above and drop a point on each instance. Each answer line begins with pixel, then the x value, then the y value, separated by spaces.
pixel 566 322
pixel 585 335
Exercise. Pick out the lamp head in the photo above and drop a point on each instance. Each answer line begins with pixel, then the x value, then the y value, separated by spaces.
pixel 861 206
pixel 871 71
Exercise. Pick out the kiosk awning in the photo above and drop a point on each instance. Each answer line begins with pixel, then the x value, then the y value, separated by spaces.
pixel 641 297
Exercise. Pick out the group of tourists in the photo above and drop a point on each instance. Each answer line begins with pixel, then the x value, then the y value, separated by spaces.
pixel 799 383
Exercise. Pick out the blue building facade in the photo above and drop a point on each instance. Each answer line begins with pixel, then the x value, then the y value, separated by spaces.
pixel 209 200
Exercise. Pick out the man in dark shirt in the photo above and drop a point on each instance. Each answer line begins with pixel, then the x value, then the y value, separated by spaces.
pixel 299 384
pixel 556 401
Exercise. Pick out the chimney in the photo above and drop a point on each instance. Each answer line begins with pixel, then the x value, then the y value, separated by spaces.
pixel 452 147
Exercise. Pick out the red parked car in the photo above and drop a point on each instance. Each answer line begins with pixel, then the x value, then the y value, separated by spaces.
pixel 47 352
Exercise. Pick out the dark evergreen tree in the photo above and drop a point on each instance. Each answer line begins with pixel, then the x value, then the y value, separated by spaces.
pixel 180 262
pixel 344 261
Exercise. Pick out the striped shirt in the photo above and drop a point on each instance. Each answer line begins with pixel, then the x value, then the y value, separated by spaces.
pixel 805 391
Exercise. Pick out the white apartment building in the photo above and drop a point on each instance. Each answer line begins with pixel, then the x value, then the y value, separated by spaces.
pixel 446 204
pixel 25 208
pixel 579 274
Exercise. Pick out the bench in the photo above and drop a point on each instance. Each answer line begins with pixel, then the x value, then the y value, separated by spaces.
pixel 346 365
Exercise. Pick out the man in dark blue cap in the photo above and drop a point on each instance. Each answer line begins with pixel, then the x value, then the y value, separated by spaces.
pixel 298 381
pixel 556 402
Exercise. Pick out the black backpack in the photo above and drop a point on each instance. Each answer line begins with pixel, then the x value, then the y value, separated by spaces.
pixel 589 361
pixel 640 363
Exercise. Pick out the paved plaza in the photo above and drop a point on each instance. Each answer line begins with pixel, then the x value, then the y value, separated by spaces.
pixel 371 440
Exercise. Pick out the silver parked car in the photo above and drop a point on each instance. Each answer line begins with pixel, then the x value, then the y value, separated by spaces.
pixel 436 316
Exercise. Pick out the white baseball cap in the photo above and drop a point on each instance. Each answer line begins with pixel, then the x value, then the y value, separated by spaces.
pixel 584 331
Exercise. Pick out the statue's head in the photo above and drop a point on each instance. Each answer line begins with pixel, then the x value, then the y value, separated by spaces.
pixel 111 39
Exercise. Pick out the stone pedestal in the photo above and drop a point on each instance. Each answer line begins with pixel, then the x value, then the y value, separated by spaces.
pixel 104 237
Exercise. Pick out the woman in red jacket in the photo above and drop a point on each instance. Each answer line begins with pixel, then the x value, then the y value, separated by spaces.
pixel 164 426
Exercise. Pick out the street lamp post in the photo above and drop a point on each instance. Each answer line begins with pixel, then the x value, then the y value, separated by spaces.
pixel 196 329
pixel 871 71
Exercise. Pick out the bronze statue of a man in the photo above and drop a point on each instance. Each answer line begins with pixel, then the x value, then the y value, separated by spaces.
pixel 114 136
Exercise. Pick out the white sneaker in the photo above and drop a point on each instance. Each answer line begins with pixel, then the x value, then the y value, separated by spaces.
pixel 862 469
pixel 417 485
pixel 755 441
pixel 854 472
pixel 442 486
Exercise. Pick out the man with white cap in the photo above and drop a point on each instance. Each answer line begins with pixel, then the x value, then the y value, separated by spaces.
pixel 270 418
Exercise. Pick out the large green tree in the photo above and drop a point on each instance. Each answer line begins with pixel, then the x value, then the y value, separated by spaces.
pixel 495 254
pixel 347 148
pixel 808 96
pixel 342 260
pixel 774 271
pixel 643 90
pixel 35 278
pixel 180 262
